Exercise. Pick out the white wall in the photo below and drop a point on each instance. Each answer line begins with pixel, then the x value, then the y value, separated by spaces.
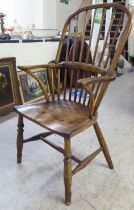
pixel 64 10
pixel 42 13
pixel 45 14
pixel 22 10
pixel 30 53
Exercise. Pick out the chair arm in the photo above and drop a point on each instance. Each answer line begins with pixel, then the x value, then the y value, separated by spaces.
pixel 92 80
pixel 84 67
pixel 27 69
pixel 50 65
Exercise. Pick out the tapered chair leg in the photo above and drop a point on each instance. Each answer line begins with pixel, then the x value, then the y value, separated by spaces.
pixel 67 171
pixel 103 145
pixel 19 142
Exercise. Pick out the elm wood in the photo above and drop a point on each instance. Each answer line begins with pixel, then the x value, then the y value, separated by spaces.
pixel 19 142
pixel 70 115
pixel 37 137
pixel 67 171
pixel 58 148
pixel 65 118
pixel 103 145
pixel 86 161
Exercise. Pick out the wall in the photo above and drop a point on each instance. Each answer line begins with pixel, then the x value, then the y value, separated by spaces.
pixel 64 10
pixel 22 10
pixel 45 14
pixel 30 53
pixel 42 13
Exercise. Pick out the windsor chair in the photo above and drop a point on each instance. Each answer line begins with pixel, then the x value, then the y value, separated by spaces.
pixel 70 109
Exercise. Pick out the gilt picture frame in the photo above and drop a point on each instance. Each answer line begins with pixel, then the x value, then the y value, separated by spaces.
pixel 9 86
pixel 29 88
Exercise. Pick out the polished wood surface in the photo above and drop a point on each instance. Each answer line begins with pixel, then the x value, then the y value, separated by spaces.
pixel 65 118
pixel 78 83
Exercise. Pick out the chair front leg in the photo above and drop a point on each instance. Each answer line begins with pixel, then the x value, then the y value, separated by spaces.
pixel 67 171
pixel 19 142
pixel 103 145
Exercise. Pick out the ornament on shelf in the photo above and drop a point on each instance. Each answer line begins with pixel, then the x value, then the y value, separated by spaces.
pixel 3 35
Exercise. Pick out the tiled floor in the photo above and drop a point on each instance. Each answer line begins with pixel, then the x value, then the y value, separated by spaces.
pixel 37 183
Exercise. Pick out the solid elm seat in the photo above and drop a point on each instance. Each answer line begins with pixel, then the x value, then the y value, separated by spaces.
pixel 87 76
pixel 65 118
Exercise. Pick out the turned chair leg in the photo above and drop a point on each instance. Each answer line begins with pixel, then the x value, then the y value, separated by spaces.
pixel 67 171
pixel 103 145
pixel 19 142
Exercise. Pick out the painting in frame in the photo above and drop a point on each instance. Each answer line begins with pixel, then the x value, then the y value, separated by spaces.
pixel 9 95
pixel 29 88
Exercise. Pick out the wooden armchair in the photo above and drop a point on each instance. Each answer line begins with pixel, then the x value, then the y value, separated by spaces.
pixel 72 108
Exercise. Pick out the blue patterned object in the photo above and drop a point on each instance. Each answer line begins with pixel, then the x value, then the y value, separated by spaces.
pixel 79 93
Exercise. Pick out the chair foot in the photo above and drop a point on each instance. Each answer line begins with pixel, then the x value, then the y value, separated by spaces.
pixel 19 142
pixel 67 172
pixel 103 145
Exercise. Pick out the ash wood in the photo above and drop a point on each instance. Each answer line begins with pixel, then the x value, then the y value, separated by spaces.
pixel 65 83
pixel 58 148
pixel 39 81
pixel 86 161
pixel 76 34
pixel 37 137
pixel 58 84
pixel 19 142
pixel 67 171
pixel 90 39
pixel 103 145
pixel 52 84
pixel 102 92
pixel 50 65
pixel 108 36
pixel 66 114
pixel 71 83
pixel 114 40
pixel 93 80
pixel 84 67
pixel 83 37
pixel 68 40
pixel 98 37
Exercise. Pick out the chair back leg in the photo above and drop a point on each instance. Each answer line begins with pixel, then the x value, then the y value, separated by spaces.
pixel 103 145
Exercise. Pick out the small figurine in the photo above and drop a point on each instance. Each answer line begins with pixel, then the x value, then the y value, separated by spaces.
pixel 3 35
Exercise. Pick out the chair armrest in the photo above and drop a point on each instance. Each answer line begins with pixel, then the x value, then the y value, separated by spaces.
pixel 84 67
pixel 92 80
pixel 50 65
pixel 27 69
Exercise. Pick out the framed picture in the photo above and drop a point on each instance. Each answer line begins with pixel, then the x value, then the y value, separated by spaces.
pixel 29 88
pixel 9 86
